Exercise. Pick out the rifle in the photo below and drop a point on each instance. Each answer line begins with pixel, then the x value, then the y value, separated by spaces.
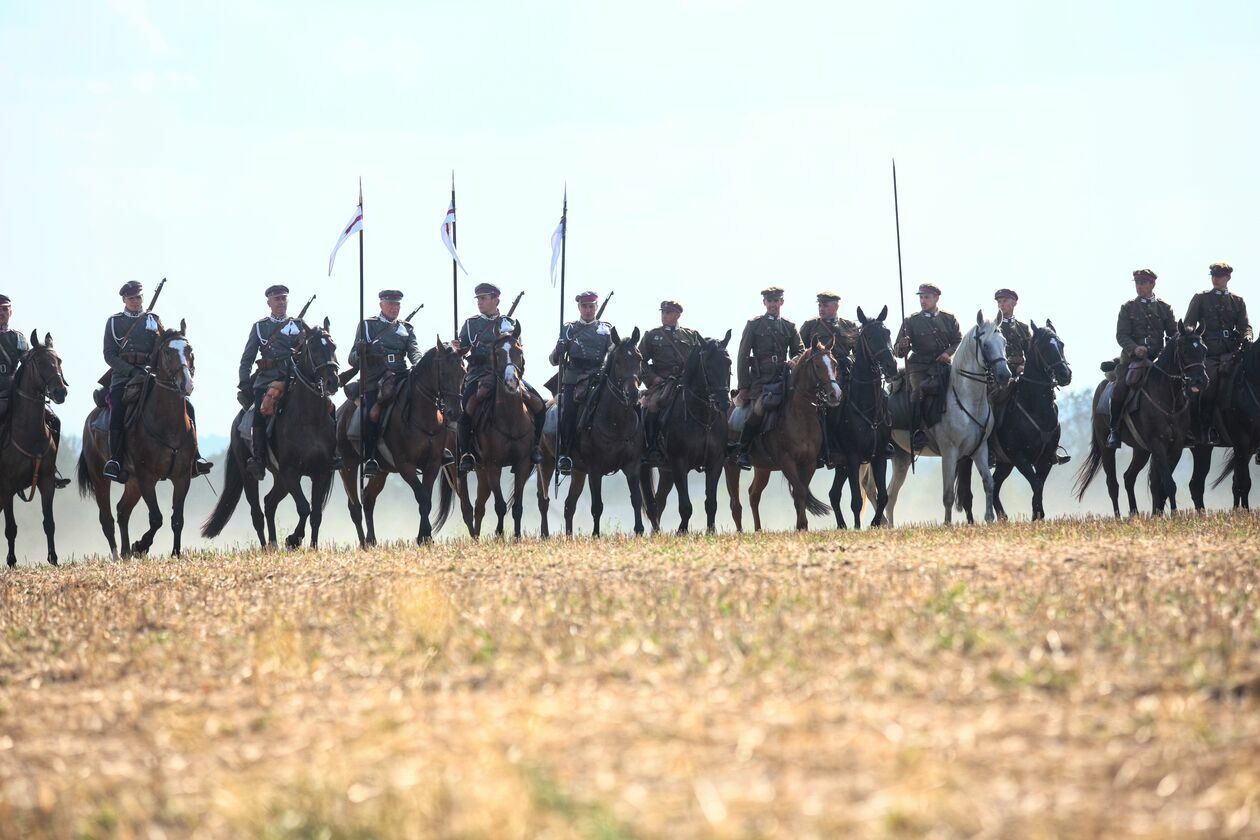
pixel 304 308
pixel 495 320
pixel 412 314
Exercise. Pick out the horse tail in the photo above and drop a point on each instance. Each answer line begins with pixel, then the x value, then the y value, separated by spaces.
pixel 233 486
pixel 1089 468
pixel 445 494
pixel 962 484
pixel 83 475
pixel 1231 462
pixel 814 506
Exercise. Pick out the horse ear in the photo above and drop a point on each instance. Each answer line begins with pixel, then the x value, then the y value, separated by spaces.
pixel 327 324
pixel 1032 324
pixel 883 313
pixel 439 345
pixel 35 338
pixel 634 336
pixel 183 327
pixel 861 315
pixel 726 340
pixel 516 331
pixel 616 339
pixel 1181 326
pixel 1050 325
pixel 48 340
pixel 979 318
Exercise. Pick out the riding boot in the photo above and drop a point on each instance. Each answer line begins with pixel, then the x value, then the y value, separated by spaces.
pixel 114 468
pixel 540 420
pixel 467 461
pixel 54 427
pixel 370 465
pixel 824 454
pixel 256 466
pixel 918 437
pixel 655 455
pixel 337 464
pixel 568 431
pixel 1113 427
pixel 752 428
pixel 200 465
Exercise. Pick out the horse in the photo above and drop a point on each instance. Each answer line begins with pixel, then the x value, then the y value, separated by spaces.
pixel 1156 427
pixel 610 437
pixel 964 428
pixel 793 444
pixel 415 440
pixel 1239 414
pixel 303 443
pixel 161 446
pixel 28 450
pixel 699 404
pixel 1027 435
pixel 504 436
pixel 859 429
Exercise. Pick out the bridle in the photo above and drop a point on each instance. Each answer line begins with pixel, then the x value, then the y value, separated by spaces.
pixel 313 381
pixel 987 364
pixel 821 387
pixel 44 393
pixel 873 361
pixel 1053 369
pixel 626 389
pixel 186 367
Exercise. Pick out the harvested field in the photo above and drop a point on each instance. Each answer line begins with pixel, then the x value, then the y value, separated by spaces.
pixel 1084 678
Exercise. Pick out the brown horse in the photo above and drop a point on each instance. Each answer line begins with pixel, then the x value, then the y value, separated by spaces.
pixel 610 437
pixel 161 446
pixel 413 442
pixel 303 444
pixel 695 434
pixel 792 446
pixel 28 451
pixel 504 435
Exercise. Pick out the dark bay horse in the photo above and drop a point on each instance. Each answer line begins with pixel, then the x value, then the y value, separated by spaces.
pixel 303 444
pixel 1028 434
pixel 1157 426
pixel 414 440
pixel 792 446
pixel 610 437
pixel 861 429
pixel 1239 416
pixel 28 452
pixel 504 435
pixel 695 434
pixel 161 446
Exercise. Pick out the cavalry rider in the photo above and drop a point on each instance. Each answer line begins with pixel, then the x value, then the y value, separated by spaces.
pixel 478 334
pixel 665 350
pixel 581 349
pixel 1018 335
pixel 13 347
pixel 828 327
pixel 1223 316
pixel 1141 328
pixel 768 342
pixel 130 338
pixel 930 337
pixel 383 345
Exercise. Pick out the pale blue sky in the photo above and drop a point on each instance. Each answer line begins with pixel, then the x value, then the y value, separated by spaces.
pixel 710 148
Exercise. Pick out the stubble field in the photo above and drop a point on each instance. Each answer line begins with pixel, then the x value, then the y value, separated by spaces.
pixel 1083 678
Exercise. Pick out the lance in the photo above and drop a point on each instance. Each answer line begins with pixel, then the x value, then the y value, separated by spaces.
pixel 454 265
pixel 362 367
pixel 302 314
pixel 901 283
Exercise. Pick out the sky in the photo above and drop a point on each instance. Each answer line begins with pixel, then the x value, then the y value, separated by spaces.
pixel 710 148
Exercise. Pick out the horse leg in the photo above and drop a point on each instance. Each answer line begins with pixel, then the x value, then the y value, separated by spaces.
pixel 1109 470
pixel 981 459
pixel 999 478
pixel 46 490
pixel 949 472
pixel 836 495
pixel 684 495
pixel 577 480
pixel 761 477
pixel 179 494
pixel 1170 483
pixel 479 506
pixel 255 506
pixel 963 498
pixel 597 501
pixel 798 480
pixel 349 481
pixel 648 492
pixel 500 504
pixel 293 483
pixel 544 499
pixel 149 494
pixel 1160 477
pixel 422 490
pixel 319 494
pixel 901 467
pixel 1042 471
pixel 521 474
pixel 854 479
pixel 1140 457
pixel 1242 482
pixel 10 532
pixel 636 498
pixel 879 470
pixel 1198 478
pixel 370 494
pixel 711 476
pixel 101 488
pixel 661 497
pixel 270 503
pixel 732 492
pixel 130 495
pixel 1034 481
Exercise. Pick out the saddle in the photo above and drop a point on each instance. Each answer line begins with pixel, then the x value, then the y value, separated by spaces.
pixel 245 426
pixel 659 394
pixel 386 394
pixel 1136 372
pixel 272 399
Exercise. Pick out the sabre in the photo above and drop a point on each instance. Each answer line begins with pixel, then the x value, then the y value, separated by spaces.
pixel 302 314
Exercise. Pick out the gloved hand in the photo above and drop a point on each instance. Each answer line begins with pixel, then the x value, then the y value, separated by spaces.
pixel 244 397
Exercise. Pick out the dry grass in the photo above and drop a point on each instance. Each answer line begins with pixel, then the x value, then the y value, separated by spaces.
pixel 1068 678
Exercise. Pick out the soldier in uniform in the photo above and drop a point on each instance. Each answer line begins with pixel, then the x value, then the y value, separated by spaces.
pixel 130 338
pixel 383 345
pixel 581 348
pixel 13 346
pixel 929 336
pixel 478 334
pixel 828 326
pixel 1018 335
pixel 1141 328
pixel 1223 316
pixel 768 342
pixel 665 350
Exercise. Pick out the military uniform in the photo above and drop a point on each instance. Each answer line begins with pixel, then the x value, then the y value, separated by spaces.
pixel 1142 322
pixel 275 340
pixel 665 351
pixel 842 330
pixel 931 334
pixel 381 347
pixel 13 346
pixel 582 347
pixel 1223 317
pixel 769 342
pixel 1018 337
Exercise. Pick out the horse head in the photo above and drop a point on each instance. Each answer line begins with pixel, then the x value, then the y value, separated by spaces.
pixel 815 370
pixel 709 371
pixel 875 342
pixel 172 361
pixel 45 367
pixel 1191 356
pixel 317 357
pixel 1047 352
pixel 509 358
pixel 444 366
pixel 623 366
pixel 990 348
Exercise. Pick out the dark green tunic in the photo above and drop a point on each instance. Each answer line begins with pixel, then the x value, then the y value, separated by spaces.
pixel 129 342
pixel 13 346
pixel 1144 322
pixel 842 329
pixel 665 351
pixel 477 333
pixel 931 334
pixel 583 345
pixel 767 343
pixel 1018 337
pixel 1223 315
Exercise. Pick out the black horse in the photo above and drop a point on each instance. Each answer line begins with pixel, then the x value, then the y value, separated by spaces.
pixel 1156 427
pixel 1238 401
pixel 695 434
pixel 860 429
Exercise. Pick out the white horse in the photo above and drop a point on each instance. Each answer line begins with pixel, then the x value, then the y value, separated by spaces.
pixel 964 428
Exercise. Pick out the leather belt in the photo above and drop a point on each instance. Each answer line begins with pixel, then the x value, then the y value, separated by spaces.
pixel 135 358
pixel 584 364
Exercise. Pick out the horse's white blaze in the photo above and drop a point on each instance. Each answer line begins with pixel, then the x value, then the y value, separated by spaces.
pixel 831 374
pixel 510 376
pixel 181 349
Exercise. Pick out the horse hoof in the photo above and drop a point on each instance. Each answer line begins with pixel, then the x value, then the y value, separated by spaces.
pixel 52 560
pixel 292 542
pixel 12 561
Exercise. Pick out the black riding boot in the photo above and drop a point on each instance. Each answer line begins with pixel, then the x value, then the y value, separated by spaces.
pixel 370 465
pixel 568 431
pixel 1116 414
pixel 54 426
pixel 824 454
pixel 467 461
pixel 655 455
pixel 337 463
pixel 752 428
pixel 918 437
pixel 200 465
pixel 114 468
pixel 256 466
pixel 540 420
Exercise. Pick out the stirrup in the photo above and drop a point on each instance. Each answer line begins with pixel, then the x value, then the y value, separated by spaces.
pixel 535 455
pixel 202 467
pixel 337 464
pixel 1113 439
pixel 255 468
pixel 448 457
pixel 371 468
pixel 114 471
pixel 61 483
pixel 744 460
pixel 467 463
pixel 564 465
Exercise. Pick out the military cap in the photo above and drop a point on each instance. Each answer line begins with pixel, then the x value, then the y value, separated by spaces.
pixel 4 300
pixel 828 297
pixel 1221 269
pixel 391 295
pixel 772 293
pixel 586 297
pixel 1144 274
pixel 276 291
pixel 130 289
pixel 1001 293
pixel 929 289
pixel 486 289
pixel 671 306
